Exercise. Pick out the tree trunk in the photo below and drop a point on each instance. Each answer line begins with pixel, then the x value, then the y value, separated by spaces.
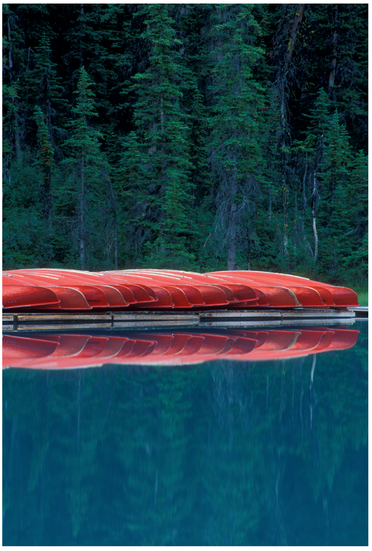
pixel 295 229
pixel 294 31
pixel 270 205
pixel 16 132
pixel 231 255
pixel 231 252
pixel 10 45
pixel 285 211
pixel 304 203
pixel 304 199
pixel 48 206
pixel 163 144
pixel 82 232
pixel 283 163
pixel 313 215
pixel 81 57
pixel 163 215
pixel 249 248
pixel 115 224
pixel 332 73
pixel 282 84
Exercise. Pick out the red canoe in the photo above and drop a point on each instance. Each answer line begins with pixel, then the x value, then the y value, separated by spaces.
pixel 70 298
pixel 332 295
pixel 26 296
pixel 53 289
pixel 117 295
pixel 234 292
pixel 268 295
pixel 79 291
pixel 184 295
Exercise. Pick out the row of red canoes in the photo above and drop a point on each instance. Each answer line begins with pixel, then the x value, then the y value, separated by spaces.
pixel 60 289
pixel 49 351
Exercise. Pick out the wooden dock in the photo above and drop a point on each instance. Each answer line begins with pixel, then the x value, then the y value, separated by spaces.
pixel 201 318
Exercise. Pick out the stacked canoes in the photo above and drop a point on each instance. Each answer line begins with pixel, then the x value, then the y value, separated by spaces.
pixel 69 351
pixel 40 290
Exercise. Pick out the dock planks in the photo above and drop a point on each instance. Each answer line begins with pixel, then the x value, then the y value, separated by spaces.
pixel 202 318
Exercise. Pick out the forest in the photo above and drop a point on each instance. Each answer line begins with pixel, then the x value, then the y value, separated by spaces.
pixel 188 136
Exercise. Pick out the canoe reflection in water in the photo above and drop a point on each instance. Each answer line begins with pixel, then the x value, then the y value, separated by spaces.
pixel 73 350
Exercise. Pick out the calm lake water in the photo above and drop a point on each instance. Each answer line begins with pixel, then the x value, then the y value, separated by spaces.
pixel 217 453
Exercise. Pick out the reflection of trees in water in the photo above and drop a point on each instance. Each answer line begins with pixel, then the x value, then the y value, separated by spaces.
pixel 233 502
pixel 285 415
pixel 232 396
pixel 153 441
pixel 221 453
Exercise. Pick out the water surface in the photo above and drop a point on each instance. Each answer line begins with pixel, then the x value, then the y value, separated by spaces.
pixel 217 453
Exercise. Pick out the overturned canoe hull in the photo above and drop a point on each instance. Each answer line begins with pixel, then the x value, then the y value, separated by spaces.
pixel 331 295
pixel 73 290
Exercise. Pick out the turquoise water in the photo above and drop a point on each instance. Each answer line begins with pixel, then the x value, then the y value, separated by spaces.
pixel 220 453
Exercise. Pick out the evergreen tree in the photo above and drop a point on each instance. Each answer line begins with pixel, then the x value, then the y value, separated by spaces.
pixel 313 148
pixel 86 162
pixel 45 89
pixel 156 161
pixel 339 41
pixel 266 234
pixel 218 124
pixel 91 37
pixel 358 203
pixel 285 39
pixel 337 224
pixel 234 146
pixel 46 163
pixel 13 102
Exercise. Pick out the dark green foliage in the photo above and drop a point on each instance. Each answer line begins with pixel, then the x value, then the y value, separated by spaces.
pixel 87 168
pixel 46 154
pixel 234 146
pixel 156 163
pixel 199 135
pixel 25 235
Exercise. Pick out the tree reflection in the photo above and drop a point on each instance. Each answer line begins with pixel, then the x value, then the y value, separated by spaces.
pixel 221 453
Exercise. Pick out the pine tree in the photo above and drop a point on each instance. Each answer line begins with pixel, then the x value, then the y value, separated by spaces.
pixel 358 198
pixel 46 163
pixel 156 161
pixel 266 234
pixel 46 90
pixel 285 40
pixel 197 155
pixel 13 100
pixel 346 61
pixel 334 210
pixel 86 161
pixel 313 147
pixel 234 148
